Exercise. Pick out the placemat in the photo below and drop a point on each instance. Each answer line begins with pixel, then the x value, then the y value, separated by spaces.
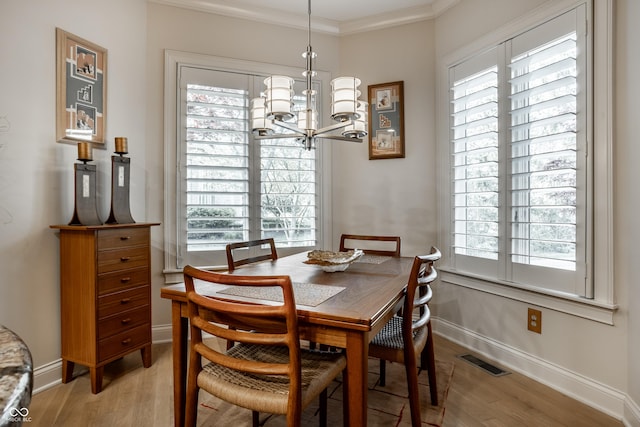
pixel 310 294
pixel 373 259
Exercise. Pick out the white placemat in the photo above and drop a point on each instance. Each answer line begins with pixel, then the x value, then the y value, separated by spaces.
pixel 310 294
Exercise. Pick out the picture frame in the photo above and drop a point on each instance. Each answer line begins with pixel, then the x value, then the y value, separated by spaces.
pixel 386 120
pixel 81 95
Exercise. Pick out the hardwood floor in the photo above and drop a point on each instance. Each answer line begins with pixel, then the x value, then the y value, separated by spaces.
pixel 479 399
pixel 135 396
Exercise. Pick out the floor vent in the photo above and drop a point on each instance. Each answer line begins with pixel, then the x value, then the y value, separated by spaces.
pixel 486 366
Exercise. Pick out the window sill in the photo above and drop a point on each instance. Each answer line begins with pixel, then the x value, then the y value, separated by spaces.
pixel 580 307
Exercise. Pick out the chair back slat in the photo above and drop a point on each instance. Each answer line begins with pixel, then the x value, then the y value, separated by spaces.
pixel 242 322
pixel 233 261
pixel 419 293
pixel 374 243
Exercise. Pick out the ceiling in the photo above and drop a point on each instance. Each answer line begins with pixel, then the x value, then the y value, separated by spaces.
pixel 330 16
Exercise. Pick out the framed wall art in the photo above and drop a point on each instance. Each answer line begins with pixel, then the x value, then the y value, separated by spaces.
pixel 386 121
pixel 81 96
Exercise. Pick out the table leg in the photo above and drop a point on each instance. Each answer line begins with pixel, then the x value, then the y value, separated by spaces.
pixel 356 381
pixel 179 326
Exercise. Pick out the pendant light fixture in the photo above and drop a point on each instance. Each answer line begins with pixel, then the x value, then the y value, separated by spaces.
pixel 274 111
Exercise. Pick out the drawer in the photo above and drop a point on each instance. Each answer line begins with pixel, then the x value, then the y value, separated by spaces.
pixel 124 342
pixel 118 259
pixel 124 321
pixel 122 237
pixel 114 303
pixel 122 279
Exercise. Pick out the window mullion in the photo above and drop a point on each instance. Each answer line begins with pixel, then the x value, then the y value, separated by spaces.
pixel 255 173
pixel 504 182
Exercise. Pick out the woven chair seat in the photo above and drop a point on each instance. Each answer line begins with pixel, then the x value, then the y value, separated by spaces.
pixel 390 335
pixel 269 393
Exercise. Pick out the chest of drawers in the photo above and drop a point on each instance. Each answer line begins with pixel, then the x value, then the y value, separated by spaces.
pixel 105 296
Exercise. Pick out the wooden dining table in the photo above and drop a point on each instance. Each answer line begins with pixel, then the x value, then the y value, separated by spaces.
pixel 373 289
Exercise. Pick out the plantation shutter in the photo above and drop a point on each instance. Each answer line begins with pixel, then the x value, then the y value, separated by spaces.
pixel 475 158
pixel 232 187
pixel 547 153
pixel 217 161
pixel 519 164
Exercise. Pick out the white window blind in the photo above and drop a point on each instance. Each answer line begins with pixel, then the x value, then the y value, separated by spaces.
pixel 519 158
pixel 475 164
pixel 217 167
pixel 543 155
pixel 232 187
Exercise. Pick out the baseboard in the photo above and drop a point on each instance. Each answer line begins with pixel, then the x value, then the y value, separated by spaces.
pixel 161 334
pixel 50 374
pixel 631 416
pixel 47 376
pixel 586 390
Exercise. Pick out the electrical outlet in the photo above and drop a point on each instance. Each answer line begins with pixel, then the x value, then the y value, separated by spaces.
pixel 534 320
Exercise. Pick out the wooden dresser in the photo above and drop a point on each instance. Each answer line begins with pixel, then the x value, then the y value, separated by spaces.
pixel 105 295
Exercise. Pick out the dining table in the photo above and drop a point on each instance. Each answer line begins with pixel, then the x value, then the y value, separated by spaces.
pixel 343 309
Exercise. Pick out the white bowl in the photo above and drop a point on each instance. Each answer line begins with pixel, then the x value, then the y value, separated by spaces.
pixel 333 261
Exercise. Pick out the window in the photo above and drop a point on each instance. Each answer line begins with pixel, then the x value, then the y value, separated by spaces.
pixel 230 187
pixel 519 164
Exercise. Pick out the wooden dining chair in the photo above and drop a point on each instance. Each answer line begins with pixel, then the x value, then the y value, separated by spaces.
pixel 406 337
pixel 233 262
pixel 266 371
pixel 372 245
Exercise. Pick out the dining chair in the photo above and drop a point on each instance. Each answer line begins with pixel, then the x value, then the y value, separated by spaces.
pixel 372 245
pixel 233 262
pixel 267 370
pixel 406 337
pixel 348 240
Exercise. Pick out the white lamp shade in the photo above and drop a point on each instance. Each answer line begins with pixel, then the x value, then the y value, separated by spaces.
pixel 308 119
pixel 359 126
pixel 279 92
pixel 260 125
pixel 344 98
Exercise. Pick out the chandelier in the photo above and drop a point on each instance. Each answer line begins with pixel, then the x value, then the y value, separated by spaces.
pixel 273 110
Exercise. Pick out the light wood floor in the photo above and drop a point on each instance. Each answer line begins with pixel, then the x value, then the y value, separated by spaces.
pixel 135 396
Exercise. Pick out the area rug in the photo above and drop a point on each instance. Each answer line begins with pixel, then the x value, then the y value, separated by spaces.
pixel 387 406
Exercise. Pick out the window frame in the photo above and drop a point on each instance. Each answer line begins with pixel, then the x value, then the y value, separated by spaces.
pixel 173 61
pixel 602 306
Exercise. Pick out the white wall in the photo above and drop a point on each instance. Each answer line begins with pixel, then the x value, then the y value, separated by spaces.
pixel 391 196
pixel 627 177
pixel 36 172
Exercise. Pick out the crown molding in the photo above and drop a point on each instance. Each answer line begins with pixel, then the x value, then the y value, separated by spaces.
pixel 294 20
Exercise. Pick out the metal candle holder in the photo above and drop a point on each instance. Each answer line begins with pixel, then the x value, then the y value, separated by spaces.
pixel 120 184
pixel 85 210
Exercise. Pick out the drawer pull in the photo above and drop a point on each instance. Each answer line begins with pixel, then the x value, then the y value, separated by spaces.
pixel 125 300
pixel 125 258
pixel 125 279
pixel 126 342
pixel 125 321
pixel 125 237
